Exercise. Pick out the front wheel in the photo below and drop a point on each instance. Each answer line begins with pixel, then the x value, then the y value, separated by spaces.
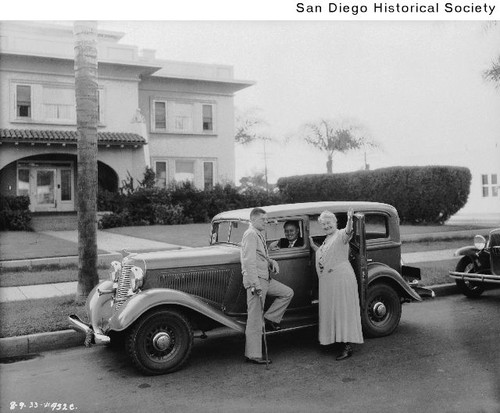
pixel 382 311
pixel 470 289
pixel 160 342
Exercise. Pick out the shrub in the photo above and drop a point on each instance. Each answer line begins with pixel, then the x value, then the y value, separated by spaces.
pixel 429 194
pixel 14 213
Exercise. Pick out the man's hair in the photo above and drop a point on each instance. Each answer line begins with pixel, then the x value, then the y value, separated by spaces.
pixel 293 223
pixel 256 212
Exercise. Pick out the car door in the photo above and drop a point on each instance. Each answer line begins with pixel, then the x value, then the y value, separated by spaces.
pixel 294 262
pixel 357 255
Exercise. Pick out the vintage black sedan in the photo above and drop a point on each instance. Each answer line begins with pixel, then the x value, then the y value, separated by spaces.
pixel 479 265
pixel 155 301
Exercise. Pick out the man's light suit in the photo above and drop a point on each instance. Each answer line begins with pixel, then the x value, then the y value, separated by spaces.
pixel 255 264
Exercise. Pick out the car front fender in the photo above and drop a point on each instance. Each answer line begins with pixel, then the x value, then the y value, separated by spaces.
pixel 146 300
pixel 469 251
pixel 100 306
pixel 378 272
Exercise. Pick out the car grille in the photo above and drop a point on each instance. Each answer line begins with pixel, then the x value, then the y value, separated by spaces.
pixel 124 285
pixel 210 284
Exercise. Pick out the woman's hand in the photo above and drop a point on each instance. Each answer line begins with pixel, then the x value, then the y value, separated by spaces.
pixel 313 244
pixel 350 213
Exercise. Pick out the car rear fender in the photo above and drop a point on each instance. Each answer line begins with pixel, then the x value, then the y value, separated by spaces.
pixel 138 304
pixel 378 272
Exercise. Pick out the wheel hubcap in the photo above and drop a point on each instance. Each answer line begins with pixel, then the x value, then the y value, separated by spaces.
pixel 379 310
pixel 162 341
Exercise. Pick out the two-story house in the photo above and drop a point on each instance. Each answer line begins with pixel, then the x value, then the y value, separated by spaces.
pixel 177 118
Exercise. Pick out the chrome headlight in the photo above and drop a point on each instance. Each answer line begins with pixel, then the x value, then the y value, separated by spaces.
pixel 116 269
pixel 137 278
pixel 479 242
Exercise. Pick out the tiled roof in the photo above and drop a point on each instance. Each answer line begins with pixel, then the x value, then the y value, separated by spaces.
pixel 59 136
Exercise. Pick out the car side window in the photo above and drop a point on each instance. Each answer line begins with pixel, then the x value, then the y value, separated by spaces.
pixel 316 229
pixel 276 234
pixel 376 226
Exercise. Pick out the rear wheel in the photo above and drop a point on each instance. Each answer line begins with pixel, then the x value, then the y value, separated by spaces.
pixel 160 342
pixel 382 311
pixel 470 289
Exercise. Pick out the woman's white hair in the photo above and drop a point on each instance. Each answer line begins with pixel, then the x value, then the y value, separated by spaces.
pixel 326 215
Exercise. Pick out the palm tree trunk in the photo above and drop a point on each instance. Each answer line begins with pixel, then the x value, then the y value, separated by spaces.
pixel 329 164
pixel 86 117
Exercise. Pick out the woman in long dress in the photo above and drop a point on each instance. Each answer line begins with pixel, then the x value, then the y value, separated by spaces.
pixel 339 310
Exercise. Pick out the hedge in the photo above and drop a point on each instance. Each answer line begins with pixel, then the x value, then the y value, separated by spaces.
pixel 14 213
pixel 422 195
pixel 177 204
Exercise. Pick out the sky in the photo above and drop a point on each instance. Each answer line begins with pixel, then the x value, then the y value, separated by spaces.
pixel 416 86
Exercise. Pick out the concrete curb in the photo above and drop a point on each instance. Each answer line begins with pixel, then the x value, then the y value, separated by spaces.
pixel 35 343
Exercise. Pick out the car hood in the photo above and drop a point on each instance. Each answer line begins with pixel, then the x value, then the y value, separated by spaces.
pixel 187 257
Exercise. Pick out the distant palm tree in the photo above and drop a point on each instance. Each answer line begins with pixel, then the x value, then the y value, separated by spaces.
pixel 86 117
pixel 334 136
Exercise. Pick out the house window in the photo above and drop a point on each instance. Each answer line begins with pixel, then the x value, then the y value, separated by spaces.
pixel 23 101
pixel 66 185
pixel 160 115
pixel 172 116
pixel 489 185
pixel 161 174
pixel 208 125
pixel 182 114
pixel 208 175
pixel 494 185
pixel 23 182
pixel 59 104
pixel 184 171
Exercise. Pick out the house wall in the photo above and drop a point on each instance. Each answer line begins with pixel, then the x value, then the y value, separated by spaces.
pixel 218 147
pixel 41 55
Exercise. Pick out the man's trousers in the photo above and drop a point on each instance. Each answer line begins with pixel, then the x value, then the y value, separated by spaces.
pixel 253 332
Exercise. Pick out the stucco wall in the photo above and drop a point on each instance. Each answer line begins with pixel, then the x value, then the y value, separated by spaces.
pixel 218 146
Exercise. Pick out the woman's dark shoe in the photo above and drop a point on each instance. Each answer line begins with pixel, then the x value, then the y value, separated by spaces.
pixel 257 360
pixel 346 353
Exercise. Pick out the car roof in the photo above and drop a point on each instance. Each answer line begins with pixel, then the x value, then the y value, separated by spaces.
pixel 310 208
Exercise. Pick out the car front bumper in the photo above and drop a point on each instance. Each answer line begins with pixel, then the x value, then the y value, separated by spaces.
pixel 91 337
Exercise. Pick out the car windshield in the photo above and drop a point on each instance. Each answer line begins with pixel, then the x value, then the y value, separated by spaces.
pixel 228 232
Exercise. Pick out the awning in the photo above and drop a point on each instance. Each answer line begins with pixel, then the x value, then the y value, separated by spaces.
pixel 41 136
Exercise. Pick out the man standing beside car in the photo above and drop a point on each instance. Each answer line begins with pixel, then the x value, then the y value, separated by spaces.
pixel 257 268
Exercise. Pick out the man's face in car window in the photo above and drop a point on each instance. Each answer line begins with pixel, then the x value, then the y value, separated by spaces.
pixel 291 232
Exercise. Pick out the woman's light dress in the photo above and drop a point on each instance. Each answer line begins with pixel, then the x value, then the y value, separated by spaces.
pixel 339 311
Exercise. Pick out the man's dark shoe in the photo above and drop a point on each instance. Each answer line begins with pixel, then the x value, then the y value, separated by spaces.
pixel 272 326
pixel 257 360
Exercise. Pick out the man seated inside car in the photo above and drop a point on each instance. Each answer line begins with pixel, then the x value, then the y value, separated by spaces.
pixel 292 238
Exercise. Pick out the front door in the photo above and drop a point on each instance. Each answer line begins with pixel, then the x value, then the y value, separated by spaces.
pixel 50 186
pixel 45 189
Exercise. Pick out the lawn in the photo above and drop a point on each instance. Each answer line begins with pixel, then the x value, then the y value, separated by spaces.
pixel 38 316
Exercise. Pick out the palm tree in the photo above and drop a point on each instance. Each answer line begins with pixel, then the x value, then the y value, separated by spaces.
pixel 86 116
pixel 331 136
